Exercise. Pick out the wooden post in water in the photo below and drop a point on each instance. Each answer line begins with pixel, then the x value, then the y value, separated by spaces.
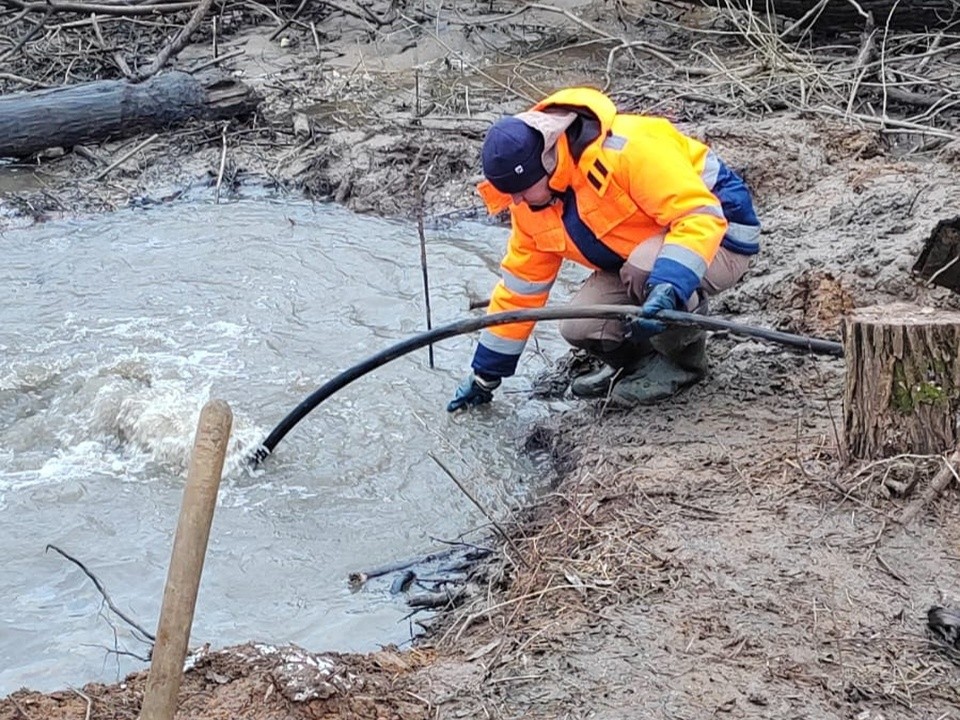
pixel 902 391
pixel 186 562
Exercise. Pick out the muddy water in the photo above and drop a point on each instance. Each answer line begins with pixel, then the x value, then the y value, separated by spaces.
pixel 115 330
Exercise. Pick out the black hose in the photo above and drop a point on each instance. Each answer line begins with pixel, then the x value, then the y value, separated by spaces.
pixel 621 312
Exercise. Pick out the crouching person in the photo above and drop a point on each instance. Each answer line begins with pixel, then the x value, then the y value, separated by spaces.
pixel 656 215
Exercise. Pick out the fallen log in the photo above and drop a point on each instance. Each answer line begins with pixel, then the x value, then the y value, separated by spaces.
pixel 902 382
pixel 846 15
pixel 31 122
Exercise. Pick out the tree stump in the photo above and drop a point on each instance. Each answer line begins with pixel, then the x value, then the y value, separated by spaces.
pixel 902 392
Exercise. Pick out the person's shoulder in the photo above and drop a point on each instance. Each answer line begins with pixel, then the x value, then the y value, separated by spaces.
pixel 640 123
pixel 642 133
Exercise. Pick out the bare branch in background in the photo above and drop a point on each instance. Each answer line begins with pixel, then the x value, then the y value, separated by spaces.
pixel 124 10
pixel 179 41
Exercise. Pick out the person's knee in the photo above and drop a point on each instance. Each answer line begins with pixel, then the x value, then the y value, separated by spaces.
pixel 577 331
pixel 634 281
pixel 726 270
pixel 592 334
pixel 635 272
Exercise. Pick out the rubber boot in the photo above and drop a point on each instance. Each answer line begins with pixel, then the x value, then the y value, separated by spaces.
pixel 616 365
pixel 680 361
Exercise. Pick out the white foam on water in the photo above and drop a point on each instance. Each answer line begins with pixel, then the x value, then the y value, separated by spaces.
pixel 156 424
pixel 25 377
pixel 112 413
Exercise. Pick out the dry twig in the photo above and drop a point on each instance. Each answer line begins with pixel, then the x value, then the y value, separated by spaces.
pixel 179 42
pixel 103 592
pixel 937 485
pixel 503 533
pixel 123 158
pixel 89 702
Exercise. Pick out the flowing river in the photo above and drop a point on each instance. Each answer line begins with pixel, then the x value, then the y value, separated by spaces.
pixel 114 332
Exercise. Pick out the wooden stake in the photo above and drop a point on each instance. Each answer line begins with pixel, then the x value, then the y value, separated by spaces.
pixel 186 561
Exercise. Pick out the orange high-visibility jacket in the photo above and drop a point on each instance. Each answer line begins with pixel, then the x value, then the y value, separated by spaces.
pixel 638 178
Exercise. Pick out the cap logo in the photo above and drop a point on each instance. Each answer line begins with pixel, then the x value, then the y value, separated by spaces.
pixel 518 169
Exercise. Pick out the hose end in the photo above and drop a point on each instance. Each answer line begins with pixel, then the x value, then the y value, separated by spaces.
pixel 259 455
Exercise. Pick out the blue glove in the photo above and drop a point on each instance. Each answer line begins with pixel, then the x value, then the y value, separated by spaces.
pixel 473 391
pixel 659 297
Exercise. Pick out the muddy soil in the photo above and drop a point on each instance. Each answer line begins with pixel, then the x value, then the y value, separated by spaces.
pixel 710 556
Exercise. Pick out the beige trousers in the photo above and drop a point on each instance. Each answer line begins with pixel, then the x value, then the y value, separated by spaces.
pixel 628 288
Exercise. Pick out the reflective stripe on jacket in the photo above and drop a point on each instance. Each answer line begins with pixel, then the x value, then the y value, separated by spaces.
pixel 639 176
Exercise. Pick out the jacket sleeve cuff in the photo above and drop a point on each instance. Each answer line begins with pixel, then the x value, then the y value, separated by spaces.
pixel 684 280
pixel 492 365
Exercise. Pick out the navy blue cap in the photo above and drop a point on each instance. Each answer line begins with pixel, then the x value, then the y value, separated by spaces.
pixel 512 152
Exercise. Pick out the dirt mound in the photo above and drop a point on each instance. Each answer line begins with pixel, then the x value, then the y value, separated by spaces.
pixel 255 681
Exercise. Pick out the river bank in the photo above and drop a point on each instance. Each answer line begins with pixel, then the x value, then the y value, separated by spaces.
pixel 711 555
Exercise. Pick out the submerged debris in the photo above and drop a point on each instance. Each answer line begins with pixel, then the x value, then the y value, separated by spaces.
pixel 437 580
